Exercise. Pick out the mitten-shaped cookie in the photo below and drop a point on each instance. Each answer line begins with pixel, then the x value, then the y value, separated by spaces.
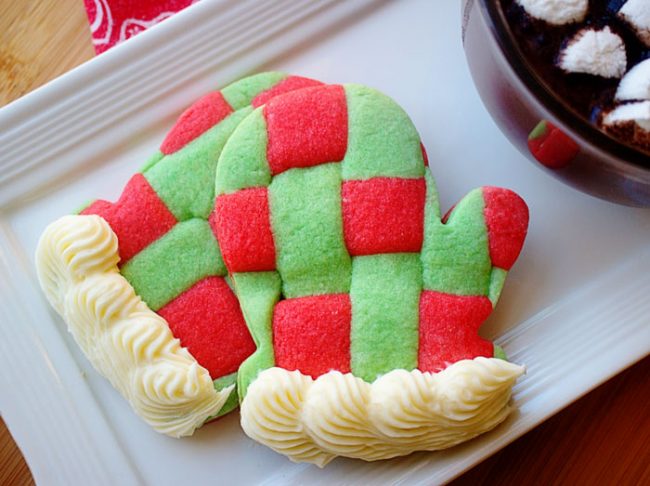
pixel 141 282
pixel 363 302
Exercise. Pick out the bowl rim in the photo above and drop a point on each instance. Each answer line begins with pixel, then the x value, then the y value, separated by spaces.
pixel 494 16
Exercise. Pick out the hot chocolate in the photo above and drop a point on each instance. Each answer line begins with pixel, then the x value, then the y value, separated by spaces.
pixel 595 55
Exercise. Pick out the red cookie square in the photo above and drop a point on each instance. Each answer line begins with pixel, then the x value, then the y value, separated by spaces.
pixel 138 218
pixel 245 234
pixel 306 127
pixel 506 218
pixel 290 83
pixel 208 321
pixel 449 329
pixel 383 215
pixel 312 334
pixel 198 118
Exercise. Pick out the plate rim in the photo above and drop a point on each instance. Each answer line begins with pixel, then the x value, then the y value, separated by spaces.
pixel 18 296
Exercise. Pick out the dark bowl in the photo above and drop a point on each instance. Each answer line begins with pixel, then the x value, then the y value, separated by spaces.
pixel 574 151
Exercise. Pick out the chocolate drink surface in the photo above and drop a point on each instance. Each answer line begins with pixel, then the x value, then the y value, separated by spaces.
pixel 584 57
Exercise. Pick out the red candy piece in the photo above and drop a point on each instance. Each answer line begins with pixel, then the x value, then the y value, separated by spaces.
pixel 449 329
pixel 306 127
pixel 138 218
pixel 506 218
pixel 209 323
pixel 312 334
pixel 290 83
pixel 383 215
pixel 551 146
pixel 244 234
pixel 198 118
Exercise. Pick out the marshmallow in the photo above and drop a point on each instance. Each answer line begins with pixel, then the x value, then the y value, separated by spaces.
pixel 637 113
pixel 635 85
pixel 597 52
pixel 556 12
pixel 637 14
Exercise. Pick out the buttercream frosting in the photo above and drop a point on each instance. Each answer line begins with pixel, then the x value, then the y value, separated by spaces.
pixel 401 412
pixel 126 342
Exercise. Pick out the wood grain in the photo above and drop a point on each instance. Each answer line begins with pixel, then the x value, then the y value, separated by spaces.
pixel 13 469
pixel 604 438
pixel 39 40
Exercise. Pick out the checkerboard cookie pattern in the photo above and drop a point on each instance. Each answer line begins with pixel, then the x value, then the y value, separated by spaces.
pixel 168 261
pixel 329 223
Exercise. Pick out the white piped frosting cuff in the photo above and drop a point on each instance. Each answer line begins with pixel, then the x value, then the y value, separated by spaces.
pixel 401 412
pixel 126 342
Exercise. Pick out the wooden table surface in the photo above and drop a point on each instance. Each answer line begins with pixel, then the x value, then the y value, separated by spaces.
pixel 604 438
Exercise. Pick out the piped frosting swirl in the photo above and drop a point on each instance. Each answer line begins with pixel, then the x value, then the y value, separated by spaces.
pixel 129 344
pixel 401 412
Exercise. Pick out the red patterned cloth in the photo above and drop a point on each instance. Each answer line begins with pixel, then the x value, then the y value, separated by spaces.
pixel 114 21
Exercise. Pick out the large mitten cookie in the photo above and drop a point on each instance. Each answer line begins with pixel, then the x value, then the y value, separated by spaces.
pixel 140 282
pixel 364 303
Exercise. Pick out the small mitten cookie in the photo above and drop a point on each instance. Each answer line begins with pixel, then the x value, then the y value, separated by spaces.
pixel 364 303
pixel 140 282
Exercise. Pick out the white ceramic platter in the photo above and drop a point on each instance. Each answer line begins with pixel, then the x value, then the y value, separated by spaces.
pixel 575 309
